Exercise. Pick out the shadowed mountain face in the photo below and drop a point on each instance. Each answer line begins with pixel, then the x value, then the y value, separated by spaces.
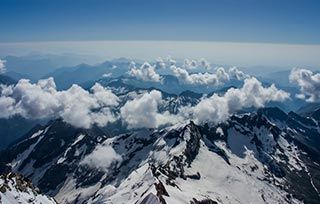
pixel 6 80
pixel 264 156
pixel 13 128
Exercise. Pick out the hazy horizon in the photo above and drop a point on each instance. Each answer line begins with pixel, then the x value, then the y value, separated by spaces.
pixel 229 53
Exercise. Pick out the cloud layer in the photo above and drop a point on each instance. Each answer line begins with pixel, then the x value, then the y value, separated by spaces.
pixel 75 105
pixel 143 112
pixel 308 82
pixel 217 108
pixel 148 72
pixel 99 106
pixel 214 79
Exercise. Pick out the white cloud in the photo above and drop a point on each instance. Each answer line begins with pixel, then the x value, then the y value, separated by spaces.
pixel 2 66
pixel 104 96
pixel 204 63
pixel 7 106
pixel 146 72
pixel 218 78
pixel 218 108
pixel 235 73
pixel 308 82
pixel 102 157
pixel 160 64
pixel 197 78
pixel 221 75
pixel 75 105
pixel 142 112
pixel 171 61
pixel 106 75
pixel 189 64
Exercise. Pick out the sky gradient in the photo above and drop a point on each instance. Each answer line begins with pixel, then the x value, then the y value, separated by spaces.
pixel 270 21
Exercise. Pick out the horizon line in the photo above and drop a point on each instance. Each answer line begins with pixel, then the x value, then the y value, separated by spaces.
pixel 154 41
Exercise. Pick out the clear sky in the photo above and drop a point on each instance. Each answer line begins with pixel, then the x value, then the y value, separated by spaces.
pixel 271 21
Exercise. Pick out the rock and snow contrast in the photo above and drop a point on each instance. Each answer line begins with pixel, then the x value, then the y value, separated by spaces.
pixel 266 156
pixel 160 102
pixel 16 189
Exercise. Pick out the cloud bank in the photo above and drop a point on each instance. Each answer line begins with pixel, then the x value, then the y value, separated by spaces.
pixel 218 108
pixel 143 112
pixel 148 72
pixel 214 79
pixel 99 106
pixel 75 105
pixel 308 82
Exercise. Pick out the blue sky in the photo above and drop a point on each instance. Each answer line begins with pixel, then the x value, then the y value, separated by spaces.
pixel 270 21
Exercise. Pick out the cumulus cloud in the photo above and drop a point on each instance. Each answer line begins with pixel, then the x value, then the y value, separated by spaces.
pixel 102 157
pixel 171 61
pixel 308 82
pixel 218 108
pixel 142 112
pixel 189 64
pixel 2 66
pixel 160 64
pixel 196 78
pixel 146 72
pixel 75 105
pixel 204 63
pixel 235 73
pixel 218 78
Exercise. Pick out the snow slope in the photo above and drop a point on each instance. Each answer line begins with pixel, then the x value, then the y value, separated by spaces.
pixel 15 189
pixel 263 157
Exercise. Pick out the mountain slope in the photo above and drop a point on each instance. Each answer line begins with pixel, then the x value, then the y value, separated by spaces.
pixel 263 157
pixel 16 189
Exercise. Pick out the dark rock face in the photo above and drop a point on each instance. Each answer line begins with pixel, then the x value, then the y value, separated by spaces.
pixel 161 191
pixel 150 199
pixel 205 201
pixel 22 183
pixel 316 115
pixel 55 140
pixel 176 166
pixel 193 144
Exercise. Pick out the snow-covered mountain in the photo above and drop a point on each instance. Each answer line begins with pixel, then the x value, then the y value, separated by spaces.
pixel 15 188
pixel 263 157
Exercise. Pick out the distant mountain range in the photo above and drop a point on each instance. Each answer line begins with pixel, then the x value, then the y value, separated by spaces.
pixel 36 66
